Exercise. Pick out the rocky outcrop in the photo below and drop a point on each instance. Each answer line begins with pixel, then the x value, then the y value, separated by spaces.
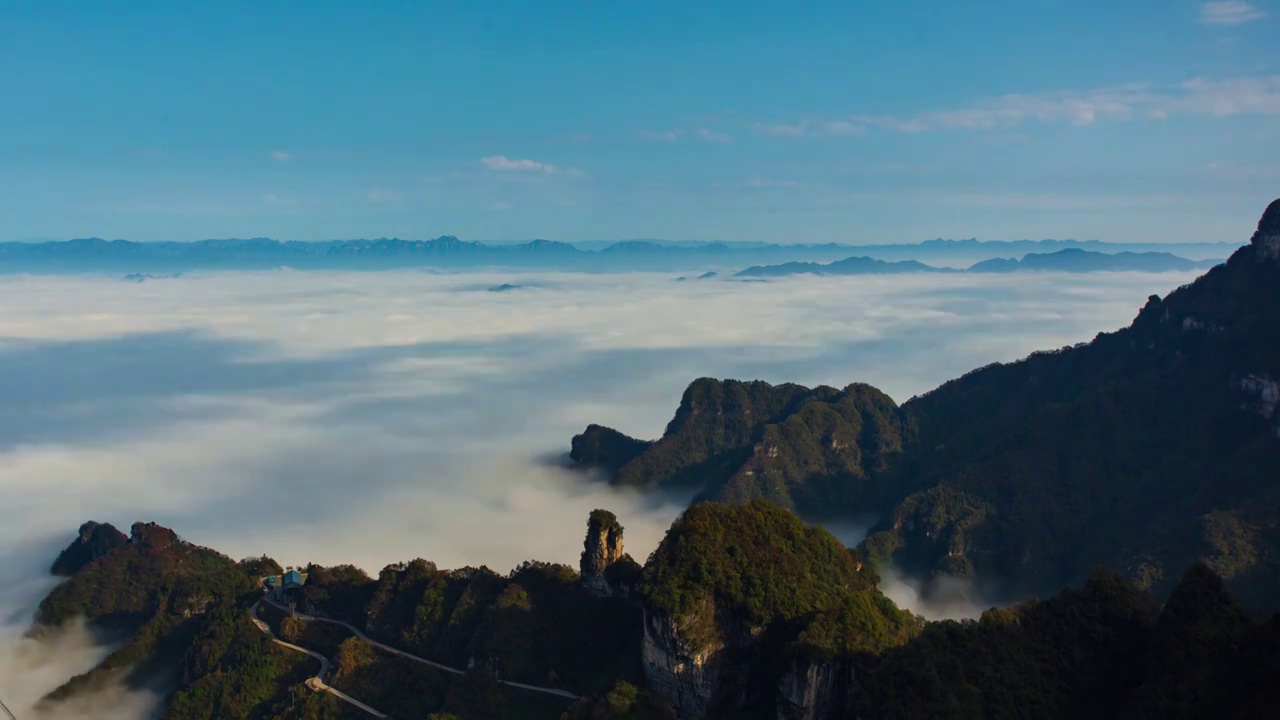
pixel 1263 396
pixel 1266 241
pixel 715 422
pixel 601 550
pixel 153 536
pixel 815 690
pixel 93 541
pixel 686 676
pixel 808 449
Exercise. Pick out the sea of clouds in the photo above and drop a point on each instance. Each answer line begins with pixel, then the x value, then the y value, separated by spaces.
pixel 375 417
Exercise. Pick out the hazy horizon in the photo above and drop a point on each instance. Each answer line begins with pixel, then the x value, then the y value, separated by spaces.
pixel 605 242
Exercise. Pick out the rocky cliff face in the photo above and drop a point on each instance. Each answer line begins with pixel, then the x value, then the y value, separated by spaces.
pixel 811 450
pixel 1263 394
pixel 684 675
pixel 153 536
pixel 815 690
pixel 715 423
pixel 601 550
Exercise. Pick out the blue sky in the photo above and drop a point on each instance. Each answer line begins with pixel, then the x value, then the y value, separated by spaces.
pixel 1132 120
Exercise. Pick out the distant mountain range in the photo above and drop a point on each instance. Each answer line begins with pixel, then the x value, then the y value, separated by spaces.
pixel 847 266
pixel 1068 260
pixel 1077 260
pixel 97 255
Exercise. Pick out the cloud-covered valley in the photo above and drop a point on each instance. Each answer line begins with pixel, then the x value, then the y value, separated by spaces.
pixel 376 417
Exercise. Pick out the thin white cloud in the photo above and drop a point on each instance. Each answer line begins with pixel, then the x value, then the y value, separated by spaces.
pixel 711 136
pixel 763 183
pixel 502 163
pixel 1247 173
pixel 1230 12
pixel 843 127
pixel 675 134
pixel 810 128
pixel 383 196
pixel 1226 98
pixel 281 156
pixel 783 129
pixel 1197 97
pixel 663 135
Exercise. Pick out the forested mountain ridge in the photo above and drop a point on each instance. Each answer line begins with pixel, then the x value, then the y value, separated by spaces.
pixel 742 612
pixel 180 616
pixel 1144 450
pixel 735 440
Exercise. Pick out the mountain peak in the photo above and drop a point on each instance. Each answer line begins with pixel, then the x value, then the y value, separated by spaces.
pixel 1266 240
pixel 152 535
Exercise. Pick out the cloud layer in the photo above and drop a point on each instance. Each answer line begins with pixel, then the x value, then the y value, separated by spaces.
pixel 505 164
pixel 371 418
pixel 1200 97
pixel 1230 12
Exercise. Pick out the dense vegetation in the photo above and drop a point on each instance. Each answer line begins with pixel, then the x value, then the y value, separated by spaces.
pixel 811 450
pixel 605 448
pixel 767 596
pixel 152 576
pixel 182 610
pixel 754 589
pixel 715 422
pixel 1101 651
pixel 624 701
pixel 93 541
pixel 237 673
pixel 537 625
pixel 756 558
pixel 183 614
pixel 1145 450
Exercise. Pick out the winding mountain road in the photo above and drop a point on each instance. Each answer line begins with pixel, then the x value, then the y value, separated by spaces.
pixel 316 683
pixel 396 651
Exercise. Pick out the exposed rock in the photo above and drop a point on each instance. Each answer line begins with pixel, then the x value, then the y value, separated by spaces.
pixel 685 676
pixel 1264 394
pixel 815 690
pixel 153 536
pixel 601 549
pixel 1266 241
pixel 195 605
pixel 94 541
pixel 1190 324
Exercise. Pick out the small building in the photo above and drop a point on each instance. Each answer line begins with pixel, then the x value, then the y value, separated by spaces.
pixel 291 587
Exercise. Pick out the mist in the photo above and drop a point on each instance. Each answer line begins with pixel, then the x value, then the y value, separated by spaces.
pixel 370 418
